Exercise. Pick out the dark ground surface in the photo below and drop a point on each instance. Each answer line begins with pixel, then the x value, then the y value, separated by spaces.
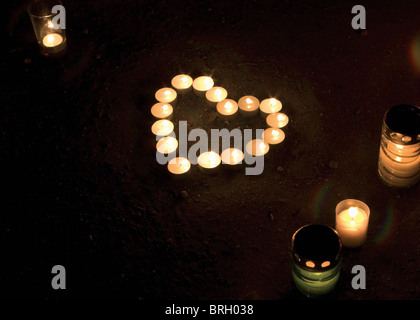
pixel 83 188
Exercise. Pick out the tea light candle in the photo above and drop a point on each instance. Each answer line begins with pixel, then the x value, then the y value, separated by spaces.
pixel 277 120
pixel 182 83
pixel 162 127
pixel 162 110
pixel 351 223
pixel 166 95
pixel 167 145
pixel 232 156
pixel 179 165
pixel 268 106
pixel 208 162
pixel 202 84
pixel 52 40
pixel 227 109
pixel 273 135
pixel 248 106
pixel 215 95
pixel 257 147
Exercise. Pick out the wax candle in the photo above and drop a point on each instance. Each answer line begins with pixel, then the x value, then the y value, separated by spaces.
pixel 179 165
pixel 277 120
pixel 257 147
pixel 162 127
pixel 52 40
pixel 215 95
pixel 162 110
pixel 268 106
pixel 208 162
pixel 202 84
pixel 351 223
pixel 273 135
pixel 248 106
pixel 316 260
pixel 232 156
pixel 399 152
pixel 182 83
pixel 227 109
pixel 166 95
pixel 167 145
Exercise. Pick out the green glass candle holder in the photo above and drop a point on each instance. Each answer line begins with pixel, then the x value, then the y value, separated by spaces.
pixel 316 260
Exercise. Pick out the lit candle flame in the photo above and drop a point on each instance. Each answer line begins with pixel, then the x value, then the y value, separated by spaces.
pixel 281 117
pixel 50 24
pixel 353 213
pixel 218 92
pixel 249 101
pixel 167 93
pixel 228 106
pixel 262 145
pixel 273 101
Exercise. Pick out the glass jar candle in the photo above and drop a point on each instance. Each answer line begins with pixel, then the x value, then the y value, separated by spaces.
pixel 399 152
pixel 316 260
pixel 51 37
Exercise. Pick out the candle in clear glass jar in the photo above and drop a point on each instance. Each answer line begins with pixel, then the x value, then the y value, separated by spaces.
pixel 351 223
pixel 316 260
pixel 399 152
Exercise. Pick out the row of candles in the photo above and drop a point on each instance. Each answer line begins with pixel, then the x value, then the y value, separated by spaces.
pixel 247 106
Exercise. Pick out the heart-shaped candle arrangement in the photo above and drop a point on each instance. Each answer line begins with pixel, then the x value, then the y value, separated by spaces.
pixel 227 109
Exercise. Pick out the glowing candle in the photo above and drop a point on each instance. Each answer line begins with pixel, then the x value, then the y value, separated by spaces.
pixel 182 83
pixel 316 260
pixel 208 162
pixel 227 109
pixel 399 152
pixel 52 40
pixel 202 84
pixel 179 165
pixel 216 94
pixel 273 135
pixel 166 95
pixel 277 120
pixel 257 147
pixel 162 127
pixel 232 156
pixel 167 145
pixel 162 110
pixel 351 223
pixel 268 106
pixel 248 106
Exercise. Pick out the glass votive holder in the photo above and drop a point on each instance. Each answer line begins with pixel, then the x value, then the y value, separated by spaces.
pixel 316 260
pixel 399 152
pixel 51 36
